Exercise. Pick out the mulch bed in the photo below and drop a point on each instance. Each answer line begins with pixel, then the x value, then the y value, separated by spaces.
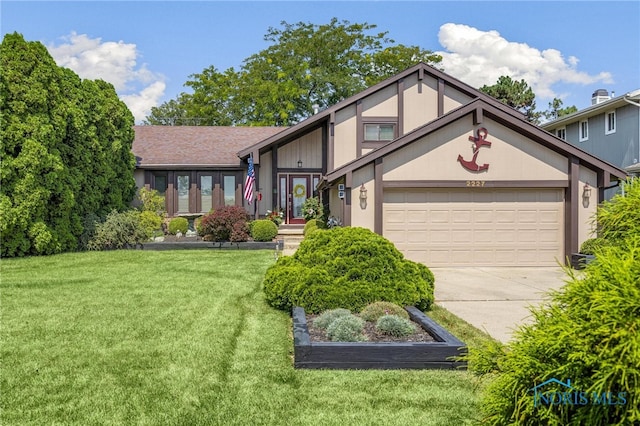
pixel 319 335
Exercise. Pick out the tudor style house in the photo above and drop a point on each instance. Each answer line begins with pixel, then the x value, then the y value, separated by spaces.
pixel 608 129
pixel 448 174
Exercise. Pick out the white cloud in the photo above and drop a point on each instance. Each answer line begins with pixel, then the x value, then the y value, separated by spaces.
pixel 481 57
pixel 116 63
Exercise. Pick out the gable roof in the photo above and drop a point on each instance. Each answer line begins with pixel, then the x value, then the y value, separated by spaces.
pixel 480 108
pixel 317 119
pixel 617 102
pixel 194 146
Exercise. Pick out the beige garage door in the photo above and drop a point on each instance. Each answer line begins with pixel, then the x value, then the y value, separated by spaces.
pixel 480 227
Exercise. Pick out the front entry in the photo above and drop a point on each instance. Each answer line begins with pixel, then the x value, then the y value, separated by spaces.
pixel 299 189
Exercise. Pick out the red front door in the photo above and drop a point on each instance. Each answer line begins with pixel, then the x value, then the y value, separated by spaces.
pixel 297 192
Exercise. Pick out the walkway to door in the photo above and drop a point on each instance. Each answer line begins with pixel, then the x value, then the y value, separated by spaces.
pixel 495 299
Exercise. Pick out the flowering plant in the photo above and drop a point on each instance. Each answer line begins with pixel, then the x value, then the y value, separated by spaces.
pixel 333 222
pixel 276 217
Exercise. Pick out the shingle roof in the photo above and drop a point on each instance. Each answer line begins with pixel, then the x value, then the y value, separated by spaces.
pixel 192 146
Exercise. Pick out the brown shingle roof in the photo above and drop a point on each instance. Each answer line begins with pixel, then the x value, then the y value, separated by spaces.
pixel 156 146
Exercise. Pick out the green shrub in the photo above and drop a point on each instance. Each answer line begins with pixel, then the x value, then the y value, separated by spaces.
pixel 394 325
pixel 228 223
pixel 346 268
pixel 263 230
pixel 592 245
pixel 119 230
pixel 178 224
pixel 620 216
pixel 373 311
pixel 347 328
pixel 150 221
pixel 327 317
pixel 588 333
pixel 310 226
pixel 151 201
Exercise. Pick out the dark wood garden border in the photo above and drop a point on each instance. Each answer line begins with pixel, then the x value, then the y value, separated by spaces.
pixel 380 355
pixel 199 245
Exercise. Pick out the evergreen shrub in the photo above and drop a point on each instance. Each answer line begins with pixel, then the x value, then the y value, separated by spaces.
pixel 178 224
pixel 263 230
pixel 346 328
pixel 310 226
pixel 346 268
pixel 591 245
pixel 394 325
pixel 329 316
pixel 119 230
pixel 373 311
pixel 588 334
pixel 151 222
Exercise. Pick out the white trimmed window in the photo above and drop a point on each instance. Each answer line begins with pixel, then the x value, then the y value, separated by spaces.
pixel 584 130
pixel 379 131
pixel 562 133
pixel 610 122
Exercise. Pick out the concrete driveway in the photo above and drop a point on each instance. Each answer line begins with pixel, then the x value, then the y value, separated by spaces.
pixel 495 299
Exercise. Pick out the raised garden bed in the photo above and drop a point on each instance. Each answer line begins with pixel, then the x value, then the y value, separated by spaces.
pixel 379 355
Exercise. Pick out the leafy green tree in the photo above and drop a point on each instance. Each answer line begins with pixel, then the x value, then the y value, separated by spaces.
pixel 516 94
pixel 304 65
pixel 66 151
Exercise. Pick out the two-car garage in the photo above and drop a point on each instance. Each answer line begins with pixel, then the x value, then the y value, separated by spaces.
pixel 476 226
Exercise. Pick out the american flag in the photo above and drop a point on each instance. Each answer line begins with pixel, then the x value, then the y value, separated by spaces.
pixel 248 184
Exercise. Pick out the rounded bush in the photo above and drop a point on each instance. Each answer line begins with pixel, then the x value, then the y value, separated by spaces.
pixel 228 223
pixel 327 317
pixel 310 226
pixel 591 245
pixel 178 224
pixel 347 268
pixel 394 325
pixel 373 311
pixel 263 230
pixel 347 328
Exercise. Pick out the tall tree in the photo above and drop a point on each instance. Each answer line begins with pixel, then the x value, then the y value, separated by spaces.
pixel 66 151
pixel 304 65
pixel 555 110
pixel 516 94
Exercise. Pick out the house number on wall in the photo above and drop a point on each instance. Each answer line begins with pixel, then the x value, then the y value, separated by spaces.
pixel 476 183
pixel 478 142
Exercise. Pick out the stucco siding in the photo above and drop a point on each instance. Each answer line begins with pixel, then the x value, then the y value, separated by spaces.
pixel 362 212
pixel 419 108
pixel 344 148
pixel 383 103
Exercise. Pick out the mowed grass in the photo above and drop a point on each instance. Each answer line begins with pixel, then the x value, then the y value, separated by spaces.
pixel 184 337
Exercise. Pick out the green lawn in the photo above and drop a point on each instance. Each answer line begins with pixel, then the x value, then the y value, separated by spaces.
pixel 184 337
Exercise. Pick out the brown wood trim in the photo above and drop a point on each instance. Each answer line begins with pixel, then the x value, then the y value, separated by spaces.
pixel 274 177
pixel 440 97
pixel 420 78
pixel 478 116
pixel 193 192
pixel 324 145
pixel 170 194
pixel 572 202
pixel 400 122
pixel 379 196
pixel 475 184
pixel 359 129
pixel 331 143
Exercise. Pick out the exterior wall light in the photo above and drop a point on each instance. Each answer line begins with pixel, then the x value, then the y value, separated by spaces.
pixel 363 192
pixel 586 191
pixel 299 164
pixel 363 197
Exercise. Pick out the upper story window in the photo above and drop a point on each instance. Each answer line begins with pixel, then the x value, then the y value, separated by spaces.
pixel 610 122
pixel 584 130
pixel 379 132
pixel 562 133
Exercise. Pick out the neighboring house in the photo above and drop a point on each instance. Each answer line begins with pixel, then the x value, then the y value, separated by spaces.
pixel 448 174
pixel 196 168
pixel 608 129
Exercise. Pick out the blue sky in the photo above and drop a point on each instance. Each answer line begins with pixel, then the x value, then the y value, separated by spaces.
pixel 148 49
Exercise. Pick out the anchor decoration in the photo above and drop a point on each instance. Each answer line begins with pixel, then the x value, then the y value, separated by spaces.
pixel 478 142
